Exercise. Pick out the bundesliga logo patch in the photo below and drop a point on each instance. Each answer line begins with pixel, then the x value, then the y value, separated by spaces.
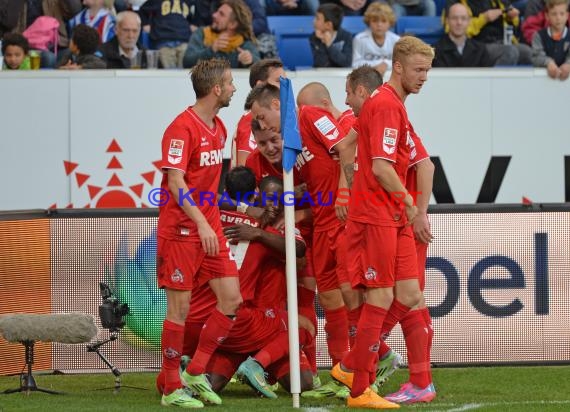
pixel 170 353
pixel 389 141
pixel 374 348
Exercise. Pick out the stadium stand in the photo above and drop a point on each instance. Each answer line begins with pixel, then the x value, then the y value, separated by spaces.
pixel 429 29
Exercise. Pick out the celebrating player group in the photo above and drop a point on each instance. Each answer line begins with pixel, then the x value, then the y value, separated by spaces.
pixel 222 265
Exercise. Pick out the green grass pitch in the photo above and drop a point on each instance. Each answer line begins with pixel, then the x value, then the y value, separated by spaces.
pixel 459 389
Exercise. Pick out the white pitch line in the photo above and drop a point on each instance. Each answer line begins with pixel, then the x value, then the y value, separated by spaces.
pixel 466 407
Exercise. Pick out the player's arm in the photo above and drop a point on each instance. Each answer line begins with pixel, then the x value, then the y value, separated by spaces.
pixel 424 173
pixel 388 178
pixel 179 189
pixel 346 150
pixel 254 234
pixel 241 157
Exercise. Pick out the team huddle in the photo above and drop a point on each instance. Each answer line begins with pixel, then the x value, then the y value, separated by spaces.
pixel 223 266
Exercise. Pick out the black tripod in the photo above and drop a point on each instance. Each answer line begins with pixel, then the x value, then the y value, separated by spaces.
pixel 27 381
pixel 95 347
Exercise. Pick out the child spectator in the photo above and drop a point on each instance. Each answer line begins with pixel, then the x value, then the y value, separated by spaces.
pixel 374 45
pixel 99 14
pixel 331 44
pixel 82 47
pixel 15 48
pixel 168 22
pixel 551 46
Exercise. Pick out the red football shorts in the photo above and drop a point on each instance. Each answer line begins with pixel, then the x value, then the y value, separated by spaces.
pixel 421 252
pixel 182 264
pixel 253 329
pixel 378 256
pixel 329 258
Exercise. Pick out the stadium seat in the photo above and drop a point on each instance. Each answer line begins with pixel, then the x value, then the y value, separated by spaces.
pixel 292 38
pixel 353 24
pixel 440 5
pixel 429 29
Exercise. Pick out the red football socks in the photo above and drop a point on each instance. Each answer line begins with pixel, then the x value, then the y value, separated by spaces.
pixel 215 330
pixel 171 345
pixel 353 317
pixel 337 337
pixel 416 335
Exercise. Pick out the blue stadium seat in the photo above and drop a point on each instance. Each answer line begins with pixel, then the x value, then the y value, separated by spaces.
pixel 440 5
pixel 353 24
pixel 292 38
pixel 429 29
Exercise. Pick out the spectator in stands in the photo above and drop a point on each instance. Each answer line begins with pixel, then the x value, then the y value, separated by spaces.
pixel 412 7
pixel 350 7
pixel 168 22
pixel 534 19
pixel 20 14
pixel 489 20
pixel 15 49
pixel 82 47
pixel 455 49
pixel 331 44
pixel 98 14
pixel 265 40
pixel 288 7
pixel 230 36
pixel 374 45
pixel 551 46
pixel 122 49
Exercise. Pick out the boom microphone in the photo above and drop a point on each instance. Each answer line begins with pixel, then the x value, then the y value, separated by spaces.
pixel 63 328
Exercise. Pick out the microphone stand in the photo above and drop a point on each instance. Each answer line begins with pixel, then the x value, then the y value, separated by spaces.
pixel 95 347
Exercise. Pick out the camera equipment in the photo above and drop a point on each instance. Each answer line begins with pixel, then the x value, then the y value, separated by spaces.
pixel 111 313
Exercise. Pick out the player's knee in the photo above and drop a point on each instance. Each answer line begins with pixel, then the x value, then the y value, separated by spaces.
pixel 230 304
pixel 411 297
pixel 331 299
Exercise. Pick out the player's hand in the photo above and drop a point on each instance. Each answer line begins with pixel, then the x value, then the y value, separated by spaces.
pixel 241 232
pixel 209 239
pixel 553 70
pixel 305 323
pixel 564 71
pixel 411 213
pixel 301 263
pixel 422 229
pixel 300 190
pixel 493 14
pixel 221 42
pixel 269 215
pixel 244 57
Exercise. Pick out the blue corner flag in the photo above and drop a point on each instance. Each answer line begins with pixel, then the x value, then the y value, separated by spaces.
pixel 289 126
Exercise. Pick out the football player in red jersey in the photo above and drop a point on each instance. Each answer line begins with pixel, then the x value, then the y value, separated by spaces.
pixel 383 159
pixel 191 246
pixel 260 72
pixel 416 324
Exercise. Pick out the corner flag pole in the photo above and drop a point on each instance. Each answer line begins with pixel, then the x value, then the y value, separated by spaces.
pixel 291 147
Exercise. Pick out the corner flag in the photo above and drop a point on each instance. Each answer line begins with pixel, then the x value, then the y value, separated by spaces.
pixel 289 126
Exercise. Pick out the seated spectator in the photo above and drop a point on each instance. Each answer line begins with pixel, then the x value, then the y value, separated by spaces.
pixel 230 36
pixel 122 49
pixel 82 47
pixel 374 45
pixel 168 22
pixel 19 15
pixel 266 43
pixel 98 14
pixel 350 7
pixel 15 49
pixel 550 46
pixel 412 7
pixel 331 44
pixel 487 25
pixel 455 49
pixel 291 7
pixel 534 19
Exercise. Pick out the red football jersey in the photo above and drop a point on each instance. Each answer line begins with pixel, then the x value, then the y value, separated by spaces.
pixel 320 133
pixel 261 167
pixel 243 138
pixel 417 153
pixel 346 121
pixel 384 133
pixel 194 148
